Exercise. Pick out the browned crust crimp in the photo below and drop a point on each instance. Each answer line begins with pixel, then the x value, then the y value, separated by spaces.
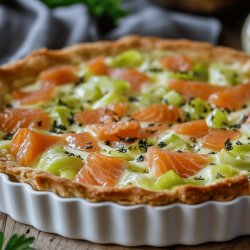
pixel 23 72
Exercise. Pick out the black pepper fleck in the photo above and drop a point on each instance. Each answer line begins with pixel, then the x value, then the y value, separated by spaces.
pixel 162 144
pixel 133 99
pixel 88 146
pixel 228 145
pixel 219 176
pixel 140 158
pixel 8 136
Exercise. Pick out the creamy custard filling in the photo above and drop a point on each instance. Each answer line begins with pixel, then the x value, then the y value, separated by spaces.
pixel 142 131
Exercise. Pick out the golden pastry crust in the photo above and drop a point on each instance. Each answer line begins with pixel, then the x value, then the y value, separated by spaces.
pixel 23 72
pixel 225 190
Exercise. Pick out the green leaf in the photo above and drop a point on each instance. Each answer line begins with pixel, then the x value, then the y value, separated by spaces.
pixel 1 240
pixel 19 242
pixel 97 8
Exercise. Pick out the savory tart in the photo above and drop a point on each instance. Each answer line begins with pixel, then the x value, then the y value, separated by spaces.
pixel 138 120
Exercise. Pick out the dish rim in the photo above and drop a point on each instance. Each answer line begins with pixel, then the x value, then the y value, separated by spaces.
pixel 29 188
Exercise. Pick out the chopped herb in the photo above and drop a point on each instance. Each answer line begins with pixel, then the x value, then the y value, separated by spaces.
pixel 88 146
pixel 165 100
pixel 133 99
pixel 187 116
pixel 162 144
pixel 219 176
pixel 122 150
pixel 69 153
pixel 140 158
pixel 130 139
pixel 151 124
pixel 239 143
pixel 79 157
pixel 235 126
pixel 71 120
pixel 143 144
pixel 8 136
pixel 228 145
pixel 80 80
pixel 60 102
pixel 212 153
pixel 59 126
pixel 198 178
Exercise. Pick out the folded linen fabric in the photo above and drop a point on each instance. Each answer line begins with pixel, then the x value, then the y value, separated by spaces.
pixel 29 25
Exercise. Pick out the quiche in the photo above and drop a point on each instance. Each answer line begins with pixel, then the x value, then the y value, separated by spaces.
pixel 140 120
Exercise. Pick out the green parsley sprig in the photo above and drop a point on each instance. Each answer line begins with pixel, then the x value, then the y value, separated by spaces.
pixel 99 9
pixel 17 242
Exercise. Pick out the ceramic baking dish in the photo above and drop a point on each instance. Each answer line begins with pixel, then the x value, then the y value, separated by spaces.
pixel 134 225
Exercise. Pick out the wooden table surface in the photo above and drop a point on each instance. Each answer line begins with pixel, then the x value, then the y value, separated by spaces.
pixel 231 38
pixel 46 241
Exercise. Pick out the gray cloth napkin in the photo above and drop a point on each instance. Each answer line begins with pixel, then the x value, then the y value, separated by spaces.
pixel 27 25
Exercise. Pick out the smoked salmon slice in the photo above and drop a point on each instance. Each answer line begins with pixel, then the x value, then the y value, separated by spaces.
pixel 115 131
pixel 132 76
pixel 82 141
pixel 85 177
pixel 27 145
pixel 233 98
pixel 102 115
pixel 101 170
pixel 177 63
pixel 59 75
pixel 11 119
pixel 185 164
pixel 157 113
pixel 97 66
pixel 216 138
pixel 44 94
pixel 194 89
pixel 196 129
